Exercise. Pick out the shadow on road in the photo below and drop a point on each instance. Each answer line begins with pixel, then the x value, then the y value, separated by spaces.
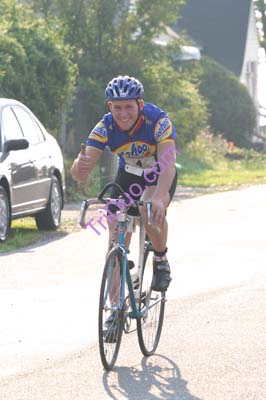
pixel 157 378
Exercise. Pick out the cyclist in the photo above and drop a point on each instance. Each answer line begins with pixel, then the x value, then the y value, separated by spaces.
pixel 142 135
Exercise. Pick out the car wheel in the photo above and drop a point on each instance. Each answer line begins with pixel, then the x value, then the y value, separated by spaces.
pixel 4 214
pixel 50 218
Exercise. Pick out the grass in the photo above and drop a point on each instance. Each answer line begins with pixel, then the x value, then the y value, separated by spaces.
pixel 221 175
pixel 208 163
pixel 23 233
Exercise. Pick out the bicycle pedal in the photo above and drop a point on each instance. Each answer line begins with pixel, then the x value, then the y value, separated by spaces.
pixel 143 295
pixel 130 264
pixel 136 284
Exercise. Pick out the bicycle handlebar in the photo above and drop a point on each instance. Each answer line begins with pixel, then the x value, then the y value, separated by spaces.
pixel 100 199
pixel 107 187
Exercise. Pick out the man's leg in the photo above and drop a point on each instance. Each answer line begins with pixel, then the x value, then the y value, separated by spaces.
pixel 158 237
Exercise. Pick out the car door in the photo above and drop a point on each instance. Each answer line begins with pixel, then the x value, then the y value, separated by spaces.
pixel 40 157
pixel 19 165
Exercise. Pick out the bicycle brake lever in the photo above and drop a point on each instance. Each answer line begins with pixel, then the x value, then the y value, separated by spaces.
pixel 83 209
pixel 148 209
pixel 149 219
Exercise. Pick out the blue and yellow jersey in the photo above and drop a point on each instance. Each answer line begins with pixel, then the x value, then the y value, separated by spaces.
pixel 154 127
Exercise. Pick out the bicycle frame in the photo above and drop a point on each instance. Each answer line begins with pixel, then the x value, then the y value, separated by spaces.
pixel 125 275
pixel 120 244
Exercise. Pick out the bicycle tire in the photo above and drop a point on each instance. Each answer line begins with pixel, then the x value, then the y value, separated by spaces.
pixel 149 327
pixel 110 339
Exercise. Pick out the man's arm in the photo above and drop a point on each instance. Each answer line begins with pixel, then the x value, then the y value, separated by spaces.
pixel 161 197
pixel 85 162
pixel 166 155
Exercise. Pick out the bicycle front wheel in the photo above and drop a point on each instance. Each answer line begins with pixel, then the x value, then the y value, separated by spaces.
pixel 152 305
pixel 110 321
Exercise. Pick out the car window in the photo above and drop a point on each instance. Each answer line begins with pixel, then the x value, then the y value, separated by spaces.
pixel 29 127
pixel 10 125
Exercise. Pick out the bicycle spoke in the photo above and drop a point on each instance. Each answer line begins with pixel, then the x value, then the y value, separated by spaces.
pixel 110 312
pixel 152 305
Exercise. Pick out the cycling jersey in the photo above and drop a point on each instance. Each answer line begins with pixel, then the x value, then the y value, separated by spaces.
pixel 140 149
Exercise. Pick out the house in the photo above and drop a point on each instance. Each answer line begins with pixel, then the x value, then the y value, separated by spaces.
pixel 186 53
pixel 226 31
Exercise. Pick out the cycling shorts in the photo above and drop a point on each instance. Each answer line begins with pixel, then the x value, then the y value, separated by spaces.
pixel 134 186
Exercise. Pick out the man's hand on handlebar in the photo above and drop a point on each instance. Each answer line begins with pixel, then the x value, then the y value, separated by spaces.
pixel 157 212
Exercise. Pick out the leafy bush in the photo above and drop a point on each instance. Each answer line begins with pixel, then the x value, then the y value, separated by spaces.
pixel 35 65
pixel 178 97
pixel 204 152
pixel 231 109
pixel 209 148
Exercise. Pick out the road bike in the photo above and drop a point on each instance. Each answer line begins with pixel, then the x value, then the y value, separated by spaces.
pixel 125 297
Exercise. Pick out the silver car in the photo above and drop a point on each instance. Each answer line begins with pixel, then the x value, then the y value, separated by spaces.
pixel 32 180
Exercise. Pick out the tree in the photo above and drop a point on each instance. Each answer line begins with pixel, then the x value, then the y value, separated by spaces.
pixel 109 37
pixel 260 6
pixel 231 110
pixel 185 106
pixel 35 65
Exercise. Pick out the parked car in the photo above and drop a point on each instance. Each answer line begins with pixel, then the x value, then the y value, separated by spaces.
pixel 32 180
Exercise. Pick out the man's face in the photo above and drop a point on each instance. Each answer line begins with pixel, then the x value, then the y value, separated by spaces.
pixel 125 112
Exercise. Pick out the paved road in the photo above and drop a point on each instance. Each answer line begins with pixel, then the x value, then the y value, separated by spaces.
pixel 213 345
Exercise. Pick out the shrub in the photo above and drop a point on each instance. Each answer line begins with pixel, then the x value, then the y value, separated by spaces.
pixel 35 64
pixel 231 109
pixel 169 90
pixel 207 147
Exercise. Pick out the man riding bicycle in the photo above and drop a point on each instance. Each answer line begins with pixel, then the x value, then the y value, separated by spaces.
pixel 143 137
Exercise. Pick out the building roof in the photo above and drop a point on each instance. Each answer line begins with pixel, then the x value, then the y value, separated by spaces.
pixel 219 28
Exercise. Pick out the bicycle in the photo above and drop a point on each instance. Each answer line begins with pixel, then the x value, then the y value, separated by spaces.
pixel 123 299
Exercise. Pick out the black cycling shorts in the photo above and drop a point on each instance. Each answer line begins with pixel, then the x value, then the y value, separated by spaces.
pixel 134 186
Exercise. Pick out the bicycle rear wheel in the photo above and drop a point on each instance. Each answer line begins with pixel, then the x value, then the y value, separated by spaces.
pixel 110 321
pixel 152 303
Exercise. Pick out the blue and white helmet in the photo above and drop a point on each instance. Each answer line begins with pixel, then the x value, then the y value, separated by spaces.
pixel 124 88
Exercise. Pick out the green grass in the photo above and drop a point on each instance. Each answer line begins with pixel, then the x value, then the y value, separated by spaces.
pixel 221 175
pixel 23 233
pixel 206 163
